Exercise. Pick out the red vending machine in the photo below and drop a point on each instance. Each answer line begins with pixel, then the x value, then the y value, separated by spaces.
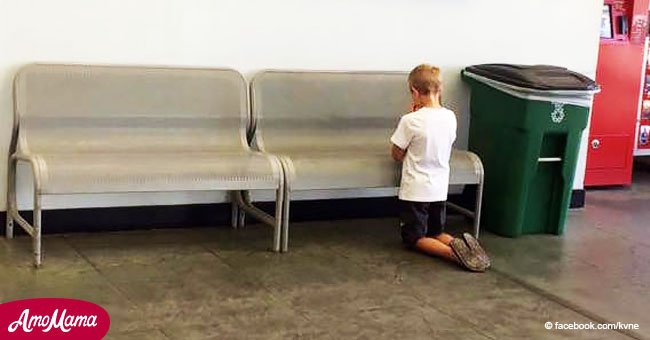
pixel 620 73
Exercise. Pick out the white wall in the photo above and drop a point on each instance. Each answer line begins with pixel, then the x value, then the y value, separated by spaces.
pixel 254 34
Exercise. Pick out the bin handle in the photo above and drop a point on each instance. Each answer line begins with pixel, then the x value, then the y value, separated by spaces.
pixel 549 159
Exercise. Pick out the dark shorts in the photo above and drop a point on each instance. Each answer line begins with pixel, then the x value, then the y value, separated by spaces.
pixel 421 219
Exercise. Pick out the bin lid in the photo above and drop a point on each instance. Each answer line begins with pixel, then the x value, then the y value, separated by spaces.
pixel 538 77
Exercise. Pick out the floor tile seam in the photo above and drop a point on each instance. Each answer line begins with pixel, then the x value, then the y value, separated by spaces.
pixel 415 295
pixel 302 313
pixel 566 303
pixel 159 330
pixel 624 236
pixel 452 315
pixel 162 331
pixel 351 259
pixel 286 304
pixel 102 275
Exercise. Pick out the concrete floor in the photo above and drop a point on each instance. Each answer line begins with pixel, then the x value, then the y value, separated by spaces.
pixel 352 279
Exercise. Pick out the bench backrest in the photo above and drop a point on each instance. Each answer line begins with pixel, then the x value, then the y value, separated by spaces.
pixel 80 108
pixel 313 111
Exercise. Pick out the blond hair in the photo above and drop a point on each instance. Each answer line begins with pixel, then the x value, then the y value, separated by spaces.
pixel 426 79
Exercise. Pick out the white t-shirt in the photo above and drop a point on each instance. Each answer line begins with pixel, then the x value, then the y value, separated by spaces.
pixel 428 135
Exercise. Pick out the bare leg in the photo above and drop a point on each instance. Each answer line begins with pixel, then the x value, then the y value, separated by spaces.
pixel 436 247
pixel 445 238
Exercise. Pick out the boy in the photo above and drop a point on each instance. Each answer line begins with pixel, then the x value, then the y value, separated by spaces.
pixel 423 142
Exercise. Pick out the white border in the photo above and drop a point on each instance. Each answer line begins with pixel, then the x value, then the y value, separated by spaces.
pixel 637 129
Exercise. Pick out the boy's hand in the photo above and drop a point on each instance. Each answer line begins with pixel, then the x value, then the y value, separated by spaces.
pixel 414 107
pixel 397 153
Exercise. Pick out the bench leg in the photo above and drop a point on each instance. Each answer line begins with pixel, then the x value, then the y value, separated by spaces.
pixel 241 219
pixel 285 221
pixel 13 215
pixel 278 220
pixel 477 209
pixel 9 231
pixel 244 204
pixel 36 238
pixel 11 198
pixel 234 215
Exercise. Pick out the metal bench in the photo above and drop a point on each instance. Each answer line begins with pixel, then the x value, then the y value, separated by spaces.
pixel 331 130
pixel 109 129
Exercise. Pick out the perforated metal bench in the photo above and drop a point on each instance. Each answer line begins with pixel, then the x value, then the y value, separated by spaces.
pixel 107 129
pixel 331 131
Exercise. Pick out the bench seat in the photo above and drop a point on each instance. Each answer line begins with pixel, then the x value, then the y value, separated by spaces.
pixel 149 172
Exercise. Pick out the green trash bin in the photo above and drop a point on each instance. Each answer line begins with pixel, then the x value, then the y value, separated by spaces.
pixel 526 125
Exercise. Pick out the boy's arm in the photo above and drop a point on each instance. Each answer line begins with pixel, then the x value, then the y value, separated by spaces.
pixel 400 140
pixel 397 153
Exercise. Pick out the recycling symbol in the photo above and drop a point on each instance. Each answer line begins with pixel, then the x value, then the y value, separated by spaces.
pixel 557 116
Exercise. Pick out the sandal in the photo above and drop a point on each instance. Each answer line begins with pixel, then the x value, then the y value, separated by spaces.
pixel 468 258
pixel 473 244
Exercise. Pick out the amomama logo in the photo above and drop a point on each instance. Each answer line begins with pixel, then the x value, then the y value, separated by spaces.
pixel 50 318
